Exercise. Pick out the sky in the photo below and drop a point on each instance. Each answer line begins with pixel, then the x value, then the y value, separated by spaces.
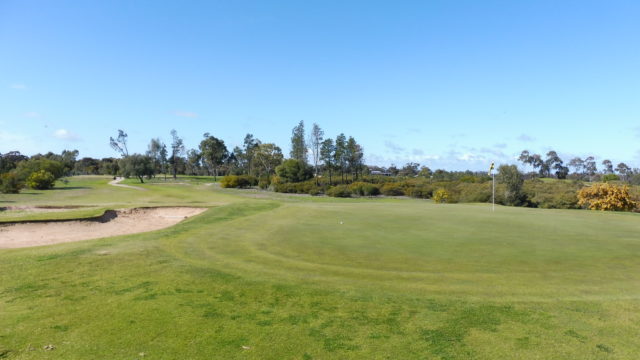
pixel 447 84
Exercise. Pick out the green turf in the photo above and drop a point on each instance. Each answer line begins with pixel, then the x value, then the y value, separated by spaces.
pixel 294 277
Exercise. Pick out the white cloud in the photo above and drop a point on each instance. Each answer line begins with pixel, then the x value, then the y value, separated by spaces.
pixel 472 157
pixel 18 86
pixel 64 134
pixel 185 114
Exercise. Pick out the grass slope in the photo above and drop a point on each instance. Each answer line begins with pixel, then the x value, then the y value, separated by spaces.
pixel 290 277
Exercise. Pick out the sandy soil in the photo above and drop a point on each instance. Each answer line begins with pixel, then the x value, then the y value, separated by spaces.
pixel 117 181
pixel 120 222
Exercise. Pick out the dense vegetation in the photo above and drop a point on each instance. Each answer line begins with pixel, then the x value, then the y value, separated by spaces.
pixel 336 169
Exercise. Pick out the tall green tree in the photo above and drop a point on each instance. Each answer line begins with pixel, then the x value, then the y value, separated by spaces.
pixel 315 141
pixel 554 162
pixel 513 179
pixel 267 158
pixel 327 155
pixel 608 166
pixel 154 150
pixel 623 170
pixel 577 164
pixel 177 149
pixel 246 155
pixel 354 157
pixel 340 154
pixel 119 144
pixel 590 167
pixel 298 143
pixel 194 159
pixel 137 165
pixel 214 152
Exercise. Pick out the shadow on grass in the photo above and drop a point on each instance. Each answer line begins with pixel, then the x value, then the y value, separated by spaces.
pixel 72 188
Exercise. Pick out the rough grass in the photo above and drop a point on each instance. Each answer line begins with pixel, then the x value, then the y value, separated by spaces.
pixel 317 278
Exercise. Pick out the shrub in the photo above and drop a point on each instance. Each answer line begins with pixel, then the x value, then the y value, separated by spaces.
pixel 552 194
pixel 610 177
pixel 440 196
pixel 392 189
pixel 238 181
pixel 28 167
pixel 364 189
pixel 606 197
pixel 41 180
pixel 229 181
pixel 422 191
pixel 10 183
pixel 264 183
pixel 315 191
pixel 339 191
pixel 293 170
pixel 473 192
pixel 513 180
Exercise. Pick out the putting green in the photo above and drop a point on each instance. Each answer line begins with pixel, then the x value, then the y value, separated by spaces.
pixel 270 276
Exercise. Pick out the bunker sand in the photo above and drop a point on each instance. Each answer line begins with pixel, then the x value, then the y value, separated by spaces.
pixel 113 223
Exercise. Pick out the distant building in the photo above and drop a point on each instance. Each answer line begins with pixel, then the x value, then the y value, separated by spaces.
pixel 378 172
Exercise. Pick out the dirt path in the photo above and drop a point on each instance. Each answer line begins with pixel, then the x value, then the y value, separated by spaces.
pixel 121 222
pixel 117 181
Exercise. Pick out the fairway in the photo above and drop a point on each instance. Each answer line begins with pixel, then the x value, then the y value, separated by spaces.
pixel 261 275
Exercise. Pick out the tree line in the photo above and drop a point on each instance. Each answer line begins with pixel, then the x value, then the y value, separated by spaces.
pixel 342 156
pixel 583 169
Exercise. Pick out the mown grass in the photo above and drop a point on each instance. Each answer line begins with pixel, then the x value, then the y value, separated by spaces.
pixel 291 277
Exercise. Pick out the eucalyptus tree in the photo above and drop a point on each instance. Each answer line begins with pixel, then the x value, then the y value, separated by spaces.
pixel 354 156
pixel 590 167
pixel 340 154
pixel 298 143
pixel 327 155
pixel 624 170
pixel 119 144
pixel 608 166
pixel 577 164
pixel 315 141
pixel 214 152
pixel 177 149
pixel 268 157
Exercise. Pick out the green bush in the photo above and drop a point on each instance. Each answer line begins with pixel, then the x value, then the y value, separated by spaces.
pixel 473 192
pixel 28 167
pixel 420 191
pixel 294 171
pixel 364 189
pixel 41 180
pixel 552 194
pixel 229 181
pixel 264 183
pixel 392 189
pixel 339 191
pixel 10 183
pixel 610 177
pixel 315 191
pixel 239 181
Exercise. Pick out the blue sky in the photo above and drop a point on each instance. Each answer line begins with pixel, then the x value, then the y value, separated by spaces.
pixel 448 84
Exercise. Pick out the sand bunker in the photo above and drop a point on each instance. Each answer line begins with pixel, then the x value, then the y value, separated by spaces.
pixel 118 222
